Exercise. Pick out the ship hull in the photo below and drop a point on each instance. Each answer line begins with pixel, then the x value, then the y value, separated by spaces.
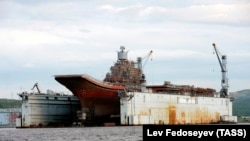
pixel 99 100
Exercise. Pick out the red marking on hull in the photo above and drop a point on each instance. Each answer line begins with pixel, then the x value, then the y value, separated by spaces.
pixel 93 93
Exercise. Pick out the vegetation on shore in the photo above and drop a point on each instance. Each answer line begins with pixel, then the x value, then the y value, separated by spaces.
pixel 10 103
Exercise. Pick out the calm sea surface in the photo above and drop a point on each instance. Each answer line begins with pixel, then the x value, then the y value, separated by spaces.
pixel 121 133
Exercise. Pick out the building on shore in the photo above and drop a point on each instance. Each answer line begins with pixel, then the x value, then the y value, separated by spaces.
pixel 8 117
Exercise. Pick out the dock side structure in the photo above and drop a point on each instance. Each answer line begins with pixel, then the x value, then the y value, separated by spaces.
pixel 47 110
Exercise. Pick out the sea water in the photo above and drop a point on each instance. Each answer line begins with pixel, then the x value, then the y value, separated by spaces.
pixel 114 133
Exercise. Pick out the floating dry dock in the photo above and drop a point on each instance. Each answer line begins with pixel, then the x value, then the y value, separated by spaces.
pixel 47 110
pixel 124 98
pixel 139 108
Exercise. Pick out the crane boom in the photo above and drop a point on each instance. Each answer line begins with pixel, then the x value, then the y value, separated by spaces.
pixel 140 66
pixel 220 62
pixel 224 81
pixel 36 86
pixel 147 57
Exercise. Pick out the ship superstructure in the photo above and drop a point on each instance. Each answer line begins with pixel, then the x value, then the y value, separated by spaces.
pixel 126 72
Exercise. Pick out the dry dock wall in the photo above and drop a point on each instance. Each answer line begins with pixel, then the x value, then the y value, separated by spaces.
pixel 42 110
pixel 147 108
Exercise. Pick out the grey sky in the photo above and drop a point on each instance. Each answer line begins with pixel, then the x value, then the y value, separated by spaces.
pixel 39 39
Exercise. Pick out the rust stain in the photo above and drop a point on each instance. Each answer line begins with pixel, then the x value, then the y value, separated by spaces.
pixel 172 114
pixel 183 118
pixel 191 116
pixel 217 116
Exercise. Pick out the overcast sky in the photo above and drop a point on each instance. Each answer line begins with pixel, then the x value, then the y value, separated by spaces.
pixel 40 39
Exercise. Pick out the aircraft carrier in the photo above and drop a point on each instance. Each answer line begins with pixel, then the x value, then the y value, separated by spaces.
pixel 124 98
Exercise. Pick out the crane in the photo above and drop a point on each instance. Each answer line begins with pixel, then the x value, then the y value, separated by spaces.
pixel 139 60
pixel 36 85
pixel 224 80
pixel 141 66
pixel 147 57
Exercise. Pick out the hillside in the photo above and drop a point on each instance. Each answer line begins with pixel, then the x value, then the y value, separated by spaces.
pixel 241 104
pixel 10 103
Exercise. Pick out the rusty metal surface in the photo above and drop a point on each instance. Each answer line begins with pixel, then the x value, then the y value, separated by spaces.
pixel 146 108
pixel 99 100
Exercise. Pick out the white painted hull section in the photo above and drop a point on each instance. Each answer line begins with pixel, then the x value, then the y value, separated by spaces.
pixel 151 108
